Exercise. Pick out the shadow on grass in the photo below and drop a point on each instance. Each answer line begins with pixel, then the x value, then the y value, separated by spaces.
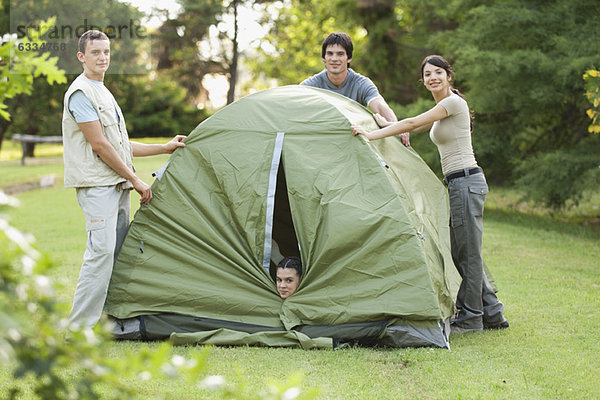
pixel 546 223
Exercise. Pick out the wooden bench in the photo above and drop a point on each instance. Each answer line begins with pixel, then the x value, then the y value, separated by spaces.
pixel 31 140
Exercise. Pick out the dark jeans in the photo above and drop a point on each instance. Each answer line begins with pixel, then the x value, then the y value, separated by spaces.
pixel 476 300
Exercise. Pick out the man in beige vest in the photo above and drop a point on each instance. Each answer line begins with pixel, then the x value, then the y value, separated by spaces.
pixel 98 164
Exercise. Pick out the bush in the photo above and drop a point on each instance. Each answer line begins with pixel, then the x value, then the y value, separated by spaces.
pixel 560 178
pixel 154 107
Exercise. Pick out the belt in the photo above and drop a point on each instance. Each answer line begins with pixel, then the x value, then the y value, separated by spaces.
pixel 462 173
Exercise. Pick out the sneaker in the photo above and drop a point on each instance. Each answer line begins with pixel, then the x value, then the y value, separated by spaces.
pixel 457 330
pixel 453 317
pixel 500 325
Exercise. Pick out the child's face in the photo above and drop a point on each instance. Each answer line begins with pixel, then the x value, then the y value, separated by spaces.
pixel 287 282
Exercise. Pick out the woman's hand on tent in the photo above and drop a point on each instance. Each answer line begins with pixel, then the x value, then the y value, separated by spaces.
pixel 405 137
pixel 359 130
pixel 381 121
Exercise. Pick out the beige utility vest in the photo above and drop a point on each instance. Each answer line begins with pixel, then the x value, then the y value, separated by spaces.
pixel 83 166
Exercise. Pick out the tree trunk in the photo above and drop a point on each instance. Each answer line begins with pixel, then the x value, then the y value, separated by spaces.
pixel 4 124
pixel 234 59
pixel 30 147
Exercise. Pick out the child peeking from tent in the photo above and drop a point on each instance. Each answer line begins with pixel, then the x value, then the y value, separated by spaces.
pixel 289 272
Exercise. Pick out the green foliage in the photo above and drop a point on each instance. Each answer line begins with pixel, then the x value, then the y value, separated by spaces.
pixel 154 108
pixel 39 111
pixel 294 50
pixel 592 92
pixel 200 41
pixel 520 63
pixel 18 68
pixel 120 21
pixel 176 46
pixel 395 33
pixel 561 177
pixel 388 37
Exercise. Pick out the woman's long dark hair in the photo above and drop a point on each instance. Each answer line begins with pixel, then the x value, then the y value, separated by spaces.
pixel 441 62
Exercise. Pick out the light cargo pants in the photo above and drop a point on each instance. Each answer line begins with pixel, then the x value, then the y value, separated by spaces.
pixel 476 300
pixel 106 211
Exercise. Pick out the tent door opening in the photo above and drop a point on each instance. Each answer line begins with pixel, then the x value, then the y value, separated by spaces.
pixel 285 242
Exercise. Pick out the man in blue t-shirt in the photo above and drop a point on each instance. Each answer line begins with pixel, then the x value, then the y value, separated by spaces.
pixel 98 164
pixel 336 52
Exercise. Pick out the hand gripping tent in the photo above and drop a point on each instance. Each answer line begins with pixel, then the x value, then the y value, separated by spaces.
pixel 279 170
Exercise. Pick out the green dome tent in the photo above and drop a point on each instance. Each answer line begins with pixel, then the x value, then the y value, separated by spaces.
pixel 280 169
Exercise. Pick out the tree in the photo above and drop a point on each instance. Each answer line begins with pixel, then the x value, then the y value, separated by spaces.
pixel 154 105
pixel 121 22
pixel 389 37
pixel 396 31
pixel 521 61
pixel 292 49
pixel 38 111
pixel 19 67
pixel 176 46
pixel 233 65
pixel 203 40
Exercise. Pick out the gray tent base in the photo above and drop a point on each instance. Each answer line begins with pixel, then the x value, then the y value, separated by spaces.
pixel 182 329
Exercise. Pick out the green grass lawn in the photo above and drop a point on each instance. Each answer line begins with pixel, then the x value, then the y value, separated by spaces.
pixel 548 273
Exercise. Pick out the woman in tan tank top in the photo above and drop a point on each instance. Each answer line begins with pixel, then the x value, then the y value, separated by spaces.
pixel 449 122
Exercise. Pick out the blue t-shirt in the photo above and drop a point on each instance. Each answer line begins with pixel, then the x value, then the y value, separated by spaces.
pixel 81 107
pixel 356 87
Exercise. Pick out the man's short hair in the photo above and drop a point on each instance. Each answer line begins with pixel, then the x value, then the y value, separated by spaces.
pixel 88 36
pixel 341 38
